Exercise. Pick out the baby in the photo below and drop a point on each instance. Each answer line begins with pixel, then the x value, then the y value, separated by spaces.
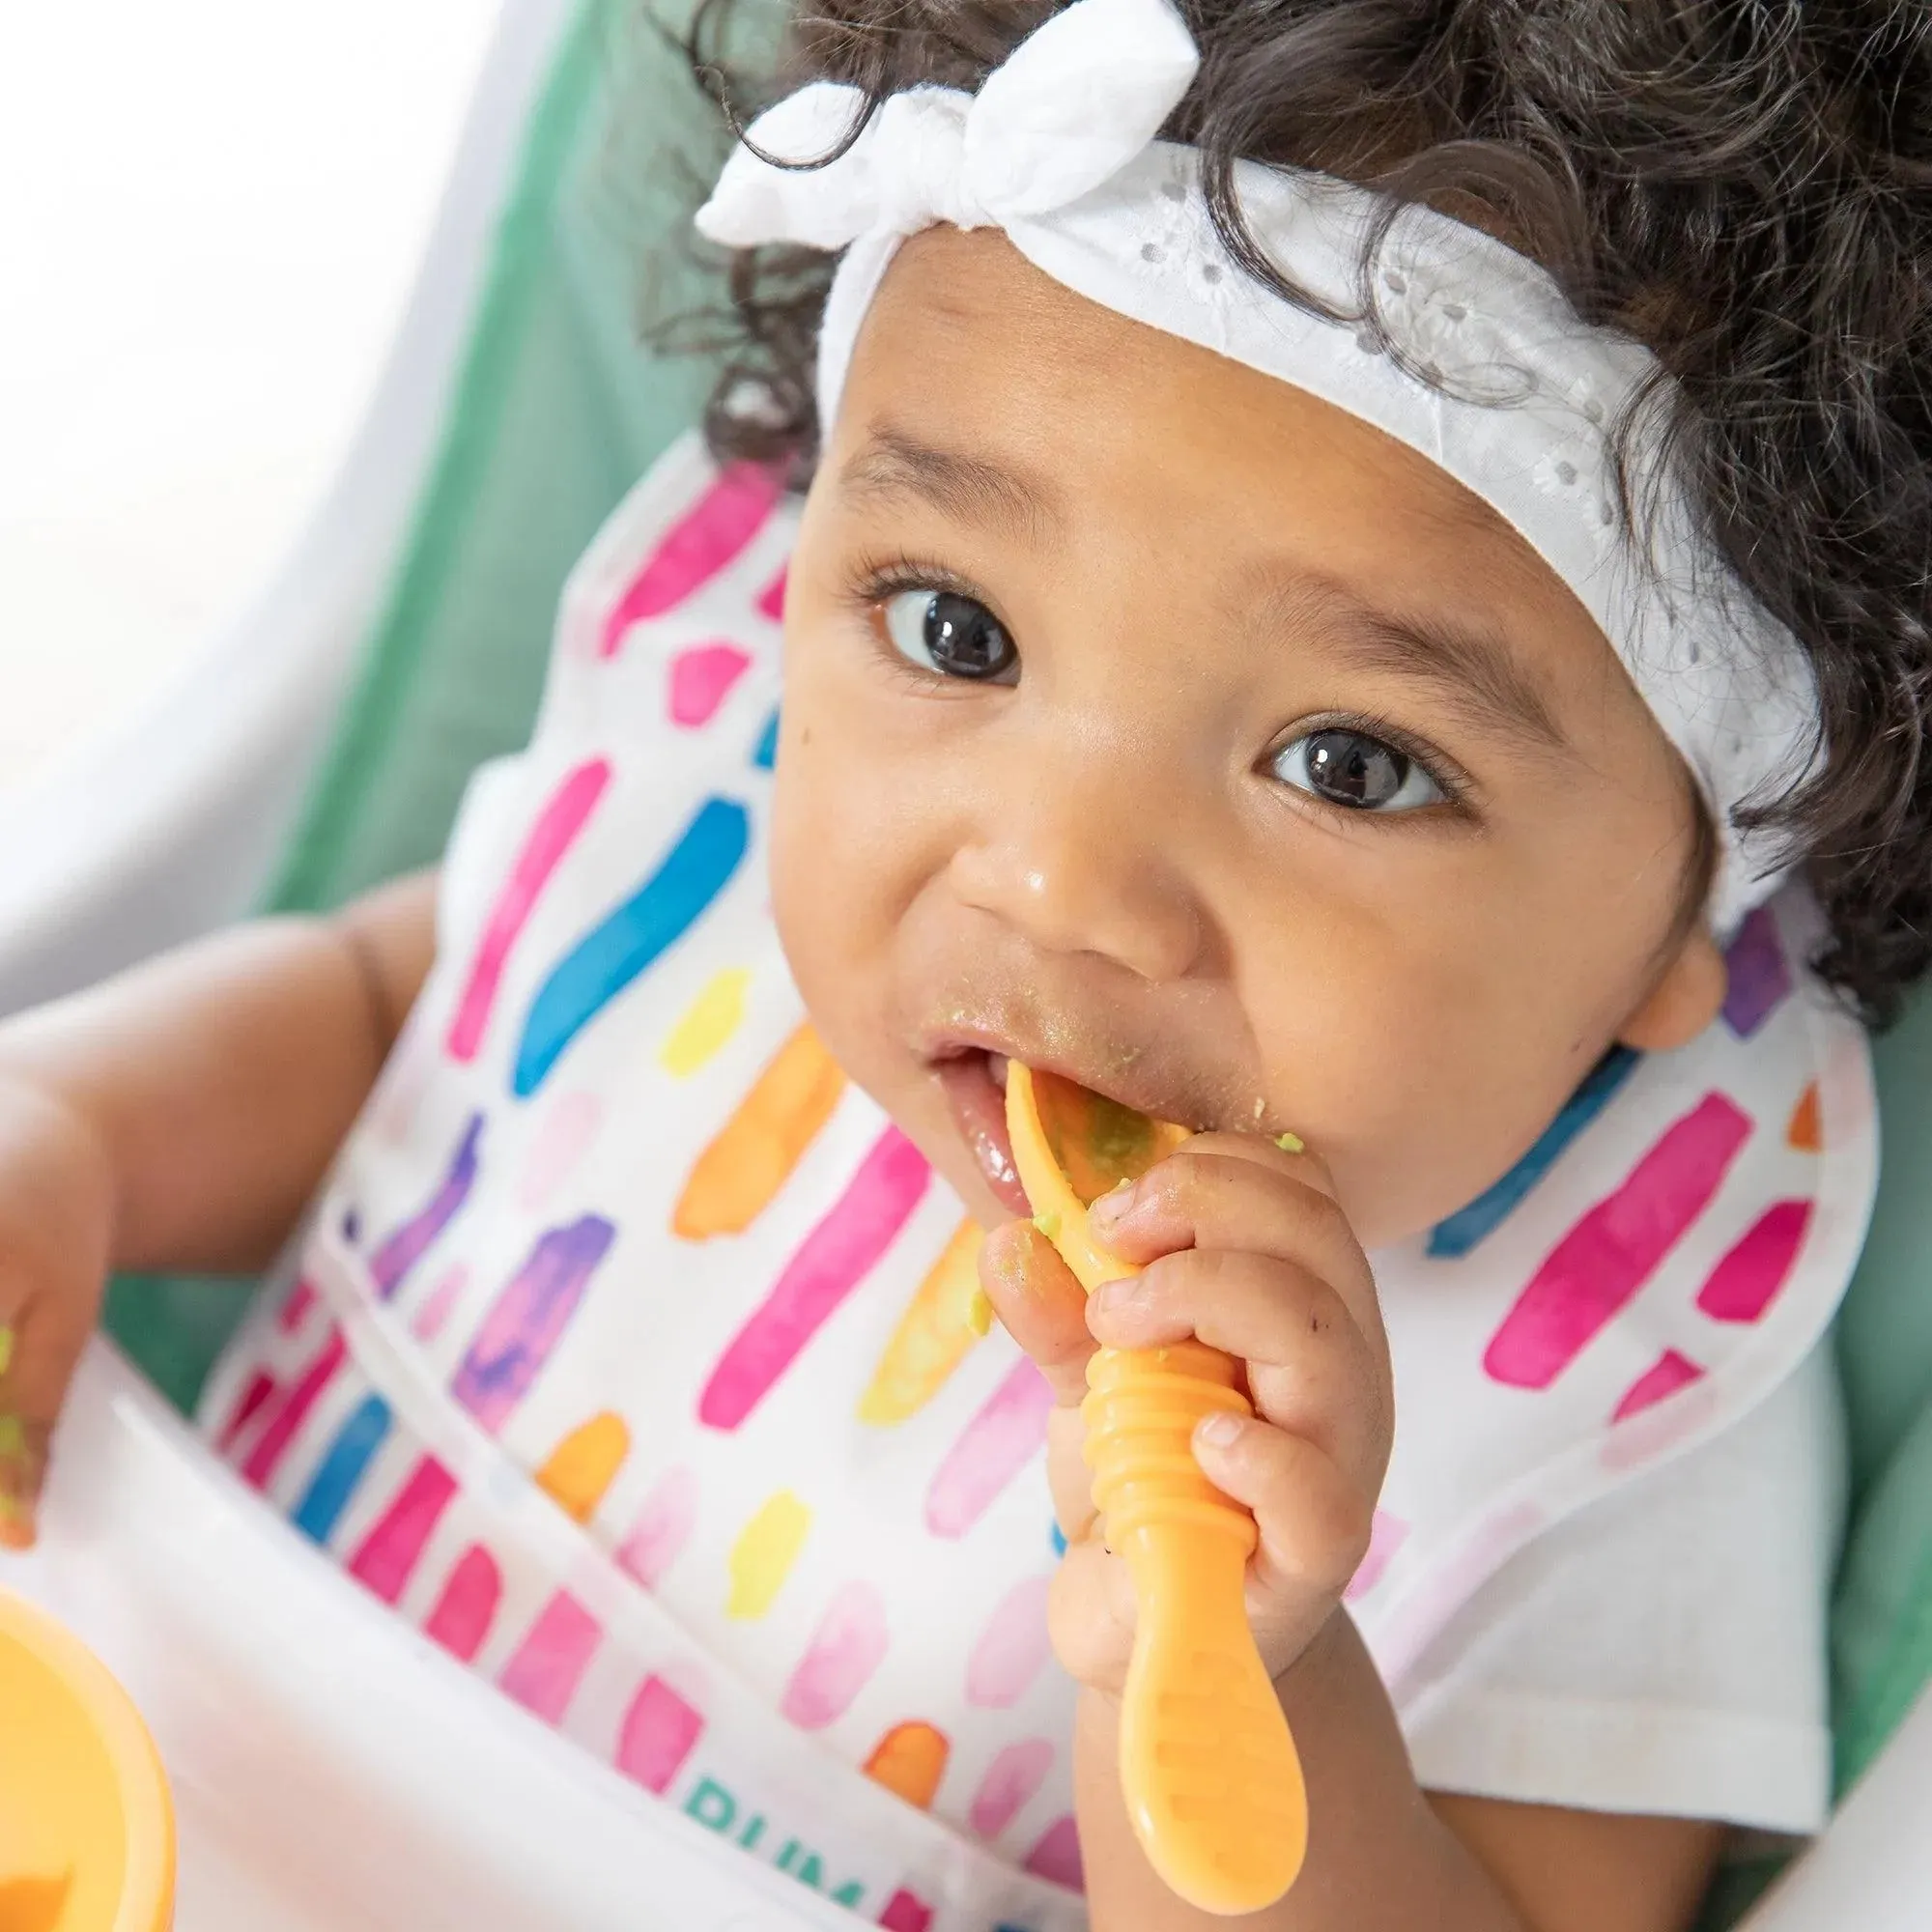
pixel 1361 591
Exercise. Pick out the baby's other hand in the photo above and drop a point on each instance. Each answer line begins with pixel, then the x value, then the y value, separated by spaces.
pixel 1244 1247
pixel 56 1221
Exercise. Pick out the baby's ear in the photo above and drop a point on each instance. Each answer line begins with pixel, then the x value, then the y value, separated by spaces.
pixel 1686 996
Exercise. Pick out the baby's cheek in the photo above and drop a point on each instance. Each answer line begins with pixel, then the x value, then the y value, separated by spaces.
pixel 811 887
pixel 1420 1091
pixel 831 900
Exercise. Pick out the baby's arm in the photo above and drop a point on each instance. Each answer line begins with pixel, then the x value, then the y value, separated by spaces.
pixel 180 1116
pixel 1384 1854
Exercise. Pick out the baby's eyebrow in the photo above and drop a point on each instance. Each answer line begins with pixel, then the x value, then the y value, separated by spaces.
pixel 1472 671
pixel 969 488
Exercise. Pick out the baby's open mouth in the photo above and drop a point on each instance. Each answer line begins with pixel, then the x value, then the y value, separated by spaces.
pixel 975 1081
pixel 973 1078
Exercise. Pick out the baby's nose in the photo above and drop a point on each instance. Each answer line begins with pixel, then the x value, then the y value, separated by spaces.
pixel 1073 867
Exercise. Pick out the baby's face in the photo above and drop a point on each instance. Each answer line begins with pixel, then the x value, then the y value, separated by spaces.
pixel 1152 721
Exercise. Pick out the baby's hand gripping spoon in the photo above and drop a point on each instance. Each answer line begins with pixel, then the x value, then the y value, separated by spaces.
pixel 1210 1774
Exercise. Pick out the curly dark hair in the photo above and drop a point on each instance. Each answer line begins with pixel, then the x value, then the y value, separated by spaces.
pixel 1743 185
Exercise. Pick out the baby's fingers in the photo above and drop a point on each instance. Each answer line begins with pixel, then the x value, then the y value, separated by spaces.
pixel 1217 1192
pixel 1039 1305
pixel 41 1342
pixel 1043 1308
pixel 1090 1616
pixel 1313 1518
pixel 55 1219
pixel 1311 1369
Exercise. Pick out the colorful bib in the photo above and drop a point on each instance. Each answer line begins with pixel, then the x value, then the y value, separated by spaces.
pixel 628 1350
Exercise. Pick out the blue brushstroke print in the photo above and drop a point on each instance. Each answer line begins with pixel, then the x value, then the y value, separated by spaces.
pixel 609 957
pixel 340 1470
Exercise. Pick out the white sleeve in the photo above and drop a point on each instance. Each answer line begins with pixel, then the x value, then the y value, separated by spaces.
pixel 1665 1650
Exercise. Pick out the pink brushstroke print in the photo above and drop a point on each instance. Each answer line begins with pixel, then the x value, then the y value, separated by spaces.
pixel 1747 1281
pixel 661 1528
pixel 274 1441
pixel 253 1399
pixel 569 1127
pixel 468 1605
pixel 830 1262
pixel 546 1668
pixel 715 530
pixel 426 1323
pixel 1007 1434
pixel 557 825
pixel 1610 1254
pixel 1012 1649
pixel 1665 1375
pixel 1008 1785
pixel 1386 1535
pixel 659 1732
pixel 848 1645
pixel 388 1554
pixel 1057 1857
pixel 702 678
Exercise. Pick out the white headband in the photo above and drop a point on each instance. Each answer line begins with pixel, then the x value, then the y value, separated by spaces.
pixel 1516 394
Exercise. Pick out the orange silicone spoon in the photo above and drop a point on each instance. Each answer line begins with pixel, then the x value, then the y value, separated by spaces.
pixel 1213 1782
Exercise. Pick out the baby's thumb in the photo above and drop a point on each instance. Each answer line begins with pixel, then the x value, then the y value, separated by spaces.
pixel 39 1347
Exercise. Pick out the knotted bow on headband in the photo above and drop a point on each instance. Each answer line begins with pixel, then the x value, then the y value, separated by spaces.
pixel 1498 381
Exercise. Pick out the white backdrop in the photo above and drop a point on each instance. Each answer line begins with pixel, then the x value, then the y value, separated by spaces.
pixel 210 212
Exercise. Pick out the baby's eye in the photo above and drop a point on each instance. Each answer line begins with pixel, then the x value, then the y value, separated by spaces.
pixel 1355 771
pixel 955 636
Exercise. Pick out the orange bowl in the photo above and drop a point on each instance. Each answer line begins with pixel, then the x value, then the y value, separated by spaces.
pixel 87 1839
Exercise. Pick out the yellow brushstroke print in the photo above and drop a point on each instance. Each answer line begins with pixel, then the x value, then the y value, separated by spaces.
pixel 761 1558
pixel 708 1023
pixel 935 1336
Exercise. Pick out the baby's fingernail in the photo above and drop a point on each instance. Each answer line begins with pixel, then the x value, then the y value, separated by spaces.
pixel 1291 1144
pixel 979 1313
pixel 1111 1297
pixel 1221 1431
pixel 1111 1204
